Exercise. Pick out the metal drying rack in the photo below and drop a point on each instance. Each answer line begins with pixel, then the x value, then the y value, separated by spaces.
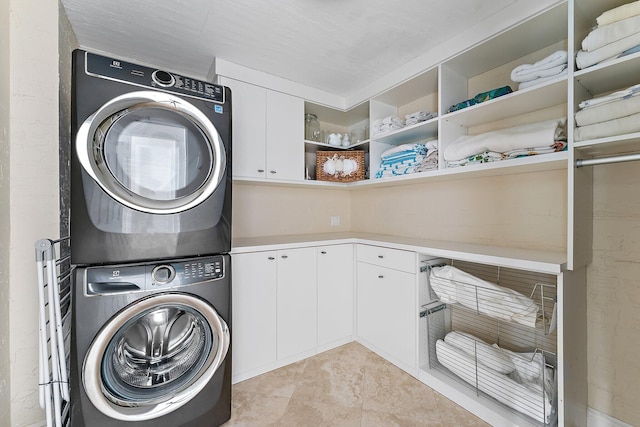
pixel 54 296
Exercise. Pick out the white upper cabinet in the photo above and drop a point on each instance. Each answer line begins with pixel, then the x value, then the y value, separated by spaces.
pixel 267 133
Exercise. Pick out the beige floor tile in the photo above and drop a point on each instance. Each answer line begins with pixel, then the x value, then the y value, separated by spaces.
pixel 305 413
pixel 334 377
pixel 379 419
pixel 391 390
pixel 280 382
pixel 256 410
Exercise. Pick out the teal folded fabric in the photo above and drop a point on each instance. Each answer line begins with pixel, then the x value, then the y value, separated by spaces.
pixel 481 97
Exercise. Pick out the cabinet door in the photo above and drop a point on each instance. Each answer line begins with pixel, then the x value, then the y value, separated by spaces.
pixel 285 136
pixel 248 128
pixel 335 293
pixel 387 312
pixel 253 326
pixel 296 302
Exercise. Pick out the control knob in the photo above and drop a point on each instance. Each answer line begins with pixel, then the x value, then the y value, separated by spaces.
pixel 162 78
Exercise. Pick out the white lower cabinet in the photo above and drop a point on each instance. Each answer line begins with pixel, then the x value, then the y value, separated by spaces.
pixel 296 302
pixel 335 295
pixel 253 326
pixel 386 306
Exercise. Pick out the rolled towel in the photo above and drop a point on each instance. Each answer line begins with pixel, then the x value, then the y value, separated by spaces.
pixel 610 33
pixel 543 68
pixel 619 13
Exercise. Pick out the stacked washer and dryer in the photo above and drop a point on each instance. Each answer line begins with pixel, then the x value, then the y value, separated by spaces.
pixel 150 240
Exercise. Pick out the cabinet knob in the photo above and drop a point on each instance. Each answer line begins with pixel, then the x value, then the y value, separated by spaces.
pixel 323 252
pixel 261 170
pixel 380 256
pixel 272 172
pixel 284 257
pixel 271 258
pixel 381 277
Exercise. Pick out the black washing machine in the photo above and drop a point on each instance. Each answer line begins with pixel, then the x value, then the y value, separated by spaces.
pixel 150 344
pixel 150 164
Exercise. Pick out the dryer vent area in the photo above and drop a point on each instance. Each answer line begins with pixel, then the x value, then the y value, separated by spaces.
pixel 492 332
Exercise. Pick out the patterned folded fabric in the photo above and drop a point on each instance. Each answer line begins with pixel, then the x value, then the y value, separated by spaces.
pixel 481 97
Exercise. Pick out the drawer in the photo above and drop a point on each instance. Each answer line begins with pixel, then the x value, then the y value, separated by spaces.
pixel 385 257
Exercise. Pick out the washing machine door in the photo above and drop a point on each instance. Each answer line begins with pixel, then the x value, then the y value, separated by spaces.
pixel 154 356
pixel 152 151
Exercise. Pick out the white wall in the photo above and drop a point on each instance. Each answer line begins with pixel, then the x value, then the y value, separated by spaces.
pixel 5 398
pixel 33 199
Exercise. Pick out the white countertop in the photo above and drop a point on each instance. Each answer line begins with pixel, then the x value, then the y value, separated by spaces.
pixel 525 259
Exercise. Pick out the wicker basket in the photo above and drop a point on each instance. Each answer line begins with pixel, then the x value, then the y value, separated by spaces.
pixel 340 166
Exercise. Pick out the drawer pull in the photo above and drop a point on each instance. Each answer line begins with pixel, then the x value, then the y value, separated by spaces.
pixel 272 171
pixel 271 258
pixel 380 256
pixel 285 256
pixel 381 277
pixel 323 252
pixel 261 170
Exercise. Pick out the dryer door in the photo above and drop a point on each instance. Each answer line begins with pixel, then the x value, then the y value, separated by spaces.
pixel 154 356
pixel 152 151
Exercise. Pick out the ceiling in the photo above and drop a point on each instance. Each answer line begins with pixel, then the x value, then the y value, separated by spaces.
pixel 337 46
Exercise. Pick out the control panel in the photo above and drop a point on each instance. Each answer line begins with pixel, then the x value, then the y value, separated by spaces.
pixel 153 276
pixel 139 75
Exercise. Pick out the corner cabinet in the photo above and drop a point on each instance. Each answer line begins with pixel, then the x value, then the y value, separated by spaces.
pixel 268 133
pixel 387 304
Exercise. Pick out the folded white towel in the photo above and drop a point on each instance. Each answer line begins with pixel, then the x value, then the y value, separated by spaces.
pixel 541 80
pixel 529 135
pixel 621 126
pixel 619 13
pixel 609 51
pixel 613 96
pixel 609 111
pixel 610 33
pixel 527 72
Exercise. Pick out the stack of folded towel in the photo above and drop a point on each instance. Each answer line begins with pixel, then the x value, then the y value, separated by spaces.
pixel 387 124
pixel 542 71
pixel 481 97
pixel 519 141
pixel 418 116
pixel 615 114
pixel 409 158
pixel 617 34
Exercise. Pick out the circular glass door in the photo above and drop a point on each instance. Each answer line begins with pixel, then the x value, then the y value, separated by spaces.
pixel 153 152
pixel 154 356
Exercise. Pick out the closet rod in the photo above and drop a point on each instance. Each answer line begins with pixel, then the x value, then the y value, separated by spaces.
pixel 605 160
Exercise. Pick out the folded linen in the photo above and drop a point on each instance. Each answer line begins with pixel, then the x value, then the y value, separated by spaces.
pixel 539 81
pixel 610 33
pixel 607 52
pixel 621 126
pixel 532 151
pixel 619 13
pixel 486 157
pixel 613 96
pixel 529 135
pixel 608 111
pixel 481 97
pixel 548 66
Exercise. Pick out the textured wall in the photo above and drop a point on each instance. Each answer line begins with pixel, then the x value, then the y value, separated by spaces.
pixel 522 210
pixel 260 210
pixel 5 398
pixel 33 62
pixel 613 292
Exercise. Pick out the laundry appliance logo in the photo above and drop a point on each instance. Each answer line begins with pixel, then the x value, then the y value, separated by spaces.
pixel 115 273
pixel 115 64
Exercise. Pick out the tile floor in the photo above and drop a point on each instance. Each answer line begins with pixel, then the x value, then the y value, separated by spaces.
pixel 346 386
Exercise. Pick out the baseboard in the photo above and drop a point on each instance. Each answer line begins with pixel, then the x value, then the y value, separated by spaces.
pixel 596 418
